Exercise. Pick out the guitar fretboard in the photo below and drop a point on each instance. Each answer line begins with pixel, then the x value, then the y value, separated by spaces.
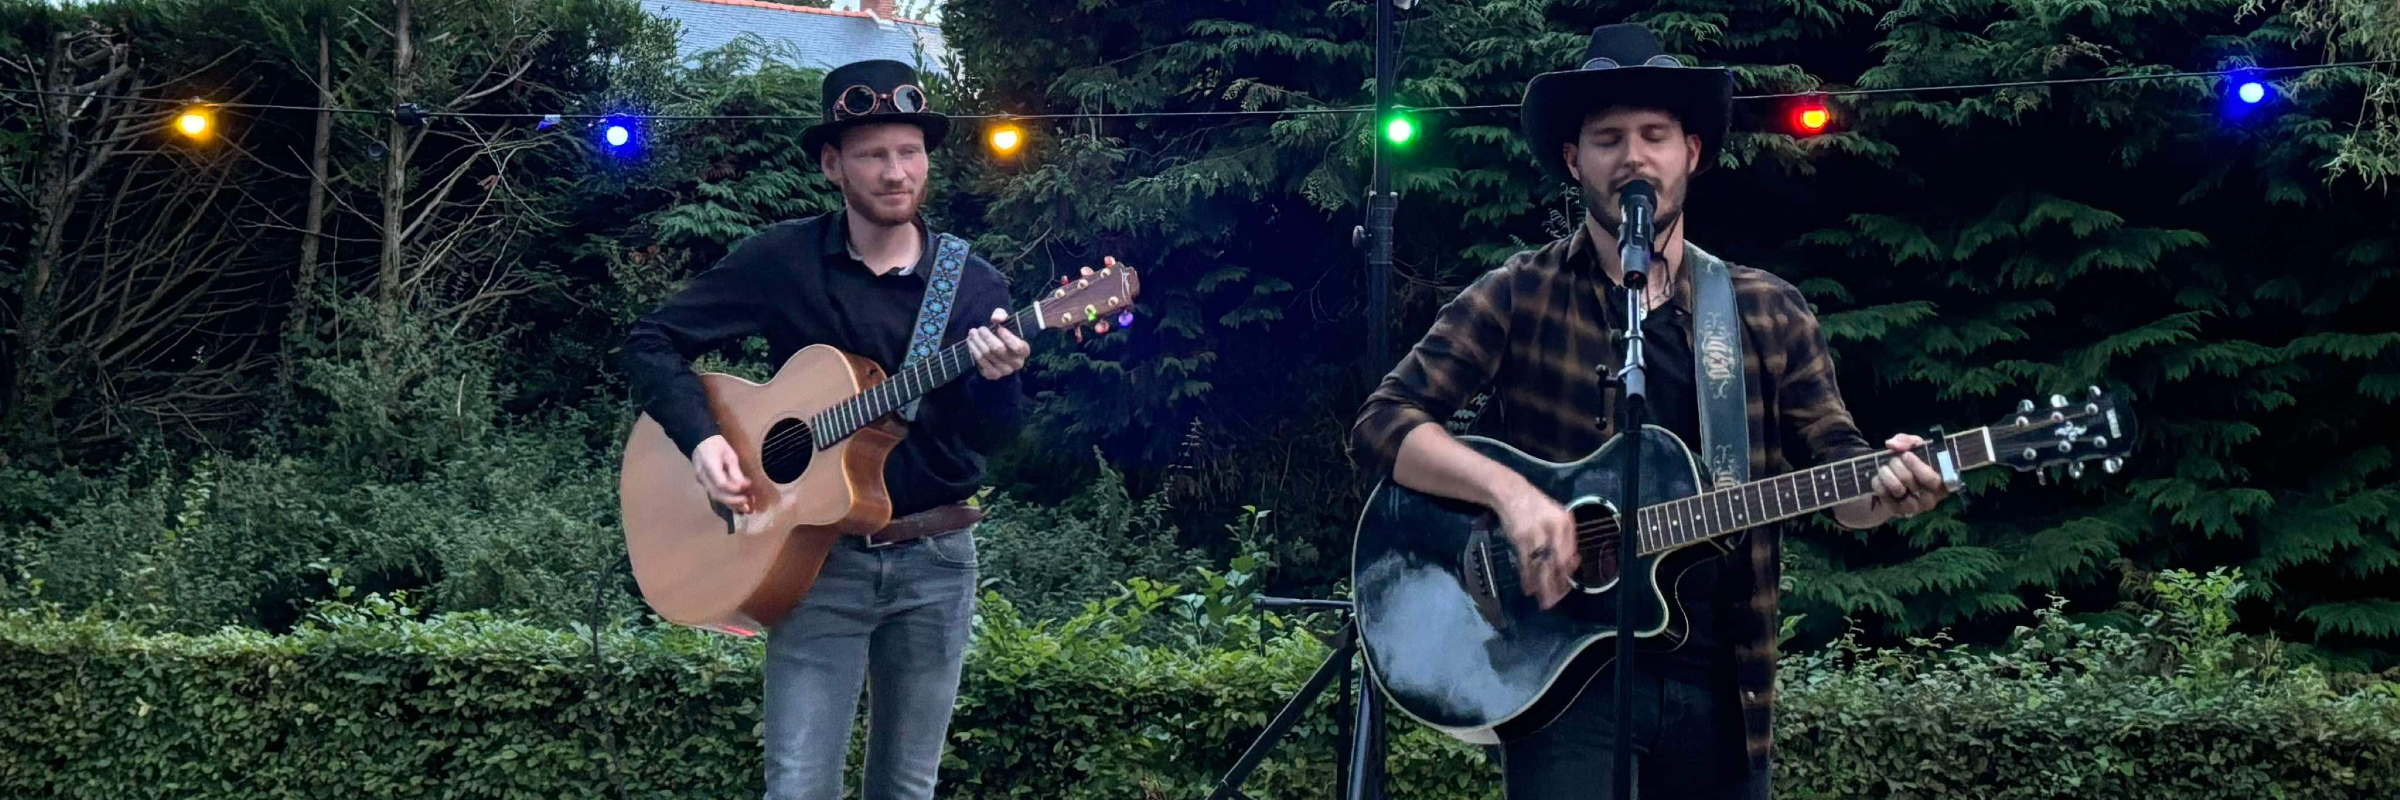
pixel 1674 524
pixel 834 424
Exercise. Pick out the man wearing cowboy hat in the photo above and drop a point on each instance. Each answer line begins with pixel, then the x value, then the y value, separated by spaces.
pixel 888 612
pixel 1533 331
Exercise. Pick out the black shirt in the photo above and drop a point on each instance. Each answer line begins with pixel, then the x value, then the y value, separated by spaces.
pixel 1694 646
pixel 796 284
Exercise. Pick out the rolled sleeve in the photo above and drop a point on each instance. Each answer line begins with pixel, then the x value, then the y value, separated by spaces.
pixel 1459 355
pixel 1810 397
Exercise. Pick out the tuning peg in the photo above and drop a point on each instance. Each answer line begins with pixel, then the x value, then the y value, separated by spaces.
pixel 2025 406
pixel 2041 477
pixel 2058 401
pixel 1125 318
pixel 2095 390
pixel 2075 470
pixel 2112 465
pixel 1087 272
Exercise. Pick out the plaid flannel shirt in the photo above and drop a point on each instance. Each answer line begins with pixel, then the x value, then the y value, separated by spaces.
pixel 1533 332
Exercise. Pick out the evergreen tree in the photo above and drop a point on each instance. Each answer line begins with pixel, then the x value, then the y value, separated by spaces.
pixel 2362 30
pixel 1965 248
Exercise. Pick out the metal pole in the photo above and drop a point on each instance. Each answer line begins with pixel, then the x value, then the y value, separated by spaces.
pixel 1364 776
pixel 1380 202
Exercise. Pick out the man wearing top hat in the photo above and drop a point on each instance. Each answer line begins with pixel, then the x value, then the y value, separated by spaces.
pixel 889 611
pixel 1536 332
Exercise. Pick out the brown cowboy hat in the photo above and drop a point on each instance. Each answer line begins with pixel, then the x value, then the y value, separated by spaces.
pixel 869 93
pixel 1624 65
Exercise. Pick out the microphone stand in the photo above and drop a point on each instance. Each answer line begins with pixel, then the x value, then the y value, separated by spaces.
pixel 1639 203
pixel 1359 762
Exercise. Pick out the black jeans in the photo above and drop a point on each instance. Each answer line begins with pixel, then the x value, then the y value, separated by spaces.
pixel 1687 742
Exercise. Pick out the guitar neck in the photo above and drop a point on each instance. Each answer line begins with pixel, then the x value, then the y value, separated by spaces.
pixel 911 382
pixel 1666 526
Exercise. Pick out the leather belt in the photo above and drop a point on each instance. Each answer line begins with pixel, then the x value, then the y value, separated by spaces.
pixel 932 521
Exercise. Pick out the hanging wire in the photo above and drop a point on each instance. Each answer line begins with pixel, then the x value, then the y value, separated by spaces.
pixel 1286 112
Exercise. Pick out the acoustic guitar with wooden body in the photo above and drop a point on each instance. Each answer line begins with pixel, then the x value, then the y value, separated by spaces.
pixel 812 442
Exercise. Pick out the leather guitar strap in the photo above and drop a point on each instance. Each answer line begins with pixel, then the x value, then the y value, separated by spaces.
pixel 933 316
pixel 1719 370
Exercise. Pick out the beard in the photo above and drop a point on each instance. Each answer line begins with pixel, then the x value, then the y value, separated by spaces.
pixel 872 208
pixel 1669 211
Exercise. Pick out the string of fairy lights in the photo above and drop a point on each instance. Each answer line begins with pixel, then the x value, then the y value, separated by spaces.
pixel 1808 113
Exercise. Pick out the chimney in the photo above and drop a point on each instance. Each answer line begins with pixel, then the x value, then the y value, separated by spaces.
pixel 882 9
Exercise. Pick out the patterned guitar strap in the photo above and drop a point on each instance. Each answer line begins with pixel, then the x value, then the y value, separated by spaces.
pixel 1719 370
pixel 933 316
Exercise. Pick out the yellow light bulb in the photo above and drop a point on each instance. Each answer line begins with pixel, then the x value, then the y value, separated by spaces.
pixel 192 123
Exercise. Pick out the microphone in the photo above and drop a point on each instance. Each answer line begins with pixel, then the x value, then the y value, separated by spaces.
pixel 1639 201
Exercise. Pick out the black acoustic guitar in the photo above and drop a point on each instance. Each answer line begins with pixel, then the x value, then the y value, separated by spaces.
pixel 1456 644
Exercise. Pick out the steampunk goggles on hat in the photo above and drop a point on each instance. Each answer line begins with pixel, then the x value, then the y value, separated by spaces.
pixel 861 100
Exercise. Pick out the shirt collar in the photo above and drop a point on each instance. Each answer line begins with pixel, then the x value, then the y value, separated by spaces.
pixel 834 245
pixel 1583 256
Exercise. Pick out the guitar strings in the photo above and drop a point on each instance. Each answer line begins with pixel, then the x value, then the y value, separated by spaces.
pixel 782 443
pixel 1603 530
pixel 779 445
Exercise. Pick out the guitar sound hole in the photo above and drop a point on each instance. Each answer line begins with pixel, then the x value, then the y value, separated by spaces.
pixel 1596 540
pixel 785 451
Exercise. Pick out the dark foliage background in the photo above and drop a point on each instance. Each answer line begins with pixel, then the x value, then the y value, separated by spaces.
pixel 212 412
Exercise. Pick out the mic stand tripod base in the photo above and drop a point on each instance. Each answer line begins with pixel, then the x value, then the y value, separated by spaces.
pixel 1360 757
pixel 1362 753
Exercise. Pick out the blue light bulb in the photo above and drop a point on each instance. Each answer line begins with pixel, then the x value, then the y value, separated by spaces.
pixel 618 136
pixel 2253 91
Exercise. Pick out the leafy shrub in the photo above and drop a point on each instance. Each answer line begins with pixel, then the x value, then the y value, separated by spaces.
pixel 367 698
pixel 1051 559
pixel 2178 707
pixel 519 523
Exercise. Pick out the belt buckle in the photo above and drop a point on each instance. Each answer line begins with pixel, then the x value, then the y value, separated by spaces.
pixel 875 544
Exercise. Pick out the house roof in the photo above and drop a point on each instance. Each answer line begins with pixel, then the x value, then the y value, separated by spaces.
pixel 824 38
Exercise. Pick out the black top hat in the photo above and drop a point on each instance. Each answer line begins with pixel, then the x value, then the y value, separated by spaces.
pixel 1624 65
pixel 870 92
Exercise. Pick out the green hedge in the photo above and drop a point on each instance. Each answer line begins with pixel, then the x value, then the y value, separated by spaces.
pixel 366 701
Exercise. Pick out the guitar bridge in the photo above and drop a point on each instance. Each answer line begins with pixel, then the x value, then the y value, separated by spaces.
pixel 1481 579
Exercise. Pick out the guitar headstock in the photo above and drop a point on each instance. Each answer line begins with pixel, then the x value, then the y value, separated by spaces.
pixel 2098 427
pixel 1102 299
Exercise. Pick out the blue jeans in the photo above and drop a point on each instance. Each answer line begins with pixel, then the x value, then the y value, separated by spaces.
pixel 894 620
pixel 1687 744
